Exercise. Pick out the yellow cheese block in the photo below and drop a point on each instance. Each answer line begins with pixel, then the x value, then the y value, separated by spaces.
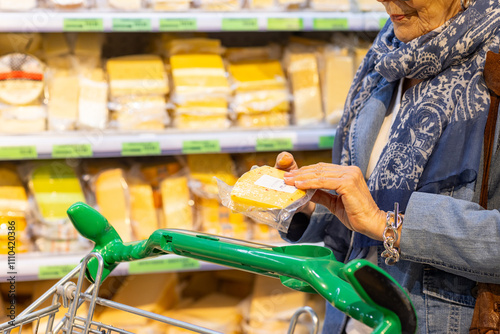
pixel 55 44
pixel 199 73
pixel 171 6
pixel 331 5
pixel 215 218
pixel 261 4
pixel 19 42
pixel 93 101
pixel 89 44
pixel 220 5
pixel 263 120
pixel 257 75
pixel 202 106
pixel 303 71
pixel 13 199
pixel 55 187
pixel 152 292
pixel 338 79
pixel 177 203
pixel 137 75
pixel 63 101
pixel 264 188
pixel 176 46
pixel 261 101
pixel 142 209
pixel 201 122
pixel 113 201
pixel 204 167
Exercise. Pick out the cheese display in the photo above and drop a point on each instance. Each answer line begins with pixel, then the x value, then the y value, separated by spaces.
pixel 55 45
pixel 171 6
pixel 193 46
pixel 177 203
pixel 264 188
pixel 307 101
pixel 113 201
pixel 142 209
pixel 331 5
pixel 338 78
pixel 152 293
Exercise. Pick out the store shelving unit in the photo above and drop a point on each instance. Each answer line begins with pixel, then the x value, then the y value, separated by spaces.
pixel 105 21
pixel 85 144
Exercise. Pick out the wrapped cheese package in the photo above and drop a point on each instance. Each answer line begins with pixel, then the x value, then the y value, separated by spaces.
pixel 262 195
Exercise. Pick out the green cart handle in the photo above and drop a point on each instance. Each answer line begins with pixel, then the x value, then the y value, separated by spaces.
pixel 359 289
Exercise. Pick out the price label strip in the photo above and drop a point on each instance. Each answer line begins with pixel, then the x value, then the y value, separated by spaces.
pixel 144 148
pixel 162 265
pixel 285 24
pixel 132 25
pixel 55 271
pixel 240 24
pixel 340 23
pixel 18 152
pixel 83 25
pixel 72 151
pixel 274 144
pixel 326 142
pixel 186 24
pixel 200 146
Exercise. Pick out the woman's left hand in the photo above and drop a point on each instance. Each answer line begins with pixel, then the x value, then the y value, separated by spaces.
pixel 353 204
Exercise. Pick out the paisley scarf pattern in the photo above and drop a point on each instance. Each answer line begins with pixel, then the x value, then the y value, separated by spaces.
pixel 436 139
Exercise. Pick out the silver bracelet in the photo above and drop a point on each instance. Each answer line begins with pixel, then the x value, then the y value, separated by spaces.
pixel 393 221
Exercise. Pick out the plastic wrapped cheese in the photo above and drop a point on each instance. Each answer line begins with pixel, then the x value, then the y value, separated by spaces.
pixel 262 195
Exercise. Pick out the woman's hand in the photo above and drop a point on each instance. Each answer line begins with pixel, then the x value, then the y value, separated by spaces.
pixel 353 204
pixel 286 162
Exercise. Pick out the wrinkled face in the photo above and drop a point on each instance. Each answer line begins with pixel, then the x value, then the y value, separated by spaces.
pixel 414 18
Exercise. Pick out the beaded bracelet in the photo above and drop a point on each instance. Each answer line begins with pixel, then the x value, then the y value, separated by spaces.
pixel 393 221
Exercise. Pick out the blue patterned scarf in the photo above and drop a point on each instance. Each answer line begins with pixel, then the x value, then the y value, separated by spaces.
pixel 436 139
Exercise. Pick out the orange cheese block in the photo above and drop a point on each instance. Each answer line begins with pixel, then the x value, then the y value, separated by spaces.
pixel 143 212
pixel 264 188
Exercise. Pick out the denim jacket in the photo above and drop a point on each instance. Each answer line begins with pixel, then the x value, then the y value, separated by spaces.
pixel 448 243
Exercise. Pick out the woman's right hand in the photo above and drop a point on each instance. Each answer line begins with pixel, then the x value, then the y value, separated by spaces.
pixel 285 161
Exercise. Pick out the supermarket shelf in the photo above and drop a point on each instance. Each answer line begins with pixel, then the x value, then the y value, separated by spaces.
pixel 168 142
pixel 39 266
pixel 107 21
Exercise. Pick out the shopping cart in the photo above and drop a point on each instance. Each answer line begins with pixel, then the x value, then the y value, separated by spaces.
pixel 358 288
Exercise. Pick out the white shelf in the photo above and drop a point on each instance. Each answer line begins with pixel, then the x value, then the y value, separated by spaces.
pixel 78 144
pixel 106 21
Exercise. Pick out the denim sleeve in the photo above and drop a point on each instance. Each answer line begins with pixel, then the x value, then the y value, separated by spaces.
pixel 454 235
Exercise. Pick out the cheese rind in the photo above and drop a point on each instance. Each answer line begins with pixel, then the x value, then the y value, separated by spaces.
pixel 253 191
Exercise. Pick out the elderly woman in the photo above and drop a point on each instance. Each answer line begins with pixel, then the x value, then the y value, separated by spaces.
pixel 412 133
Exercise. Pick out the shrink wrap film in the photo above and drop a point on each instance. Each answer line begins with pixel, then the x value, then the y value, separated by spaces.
pixel 93 101
pixel 262 195
pixel 113 201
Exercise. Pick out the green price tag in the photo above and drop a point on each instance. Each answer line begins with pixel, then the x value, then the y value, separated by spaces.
pixel 326 141
pixel 382 21
pixel 178 24
pixel 274 144
pixel 331 24
pixel 83 25
pixel 56 271
pixel 284 24
pixel 131 25
pixel 18 152
pixel 72 151
pixel 200 146
pixel 162 265
pixel 240 24
pixel 146 148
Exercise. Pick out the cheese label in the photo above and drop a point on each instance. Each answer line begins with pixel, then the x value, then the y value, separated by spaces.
pixel 273 144
pixel 284 24
pixel 334 23
pixel 72 151
pixel 145 148
pixel 240 24
pixel 326 141
pixel 84 25
pixel 200 146
pixel 274 183
pixel 162 265
pixel 184 24
pixel 120 24
pixel 55 271
pixel 18 152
